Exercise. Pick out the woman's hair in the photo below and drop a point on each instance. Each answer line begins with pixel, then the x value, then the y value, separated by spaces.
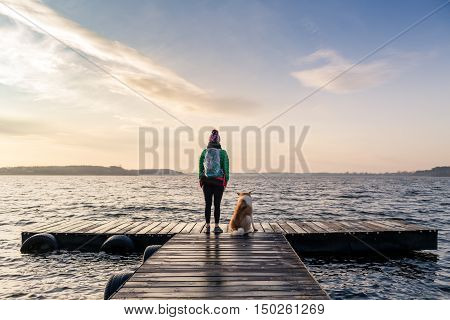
pixel 214 136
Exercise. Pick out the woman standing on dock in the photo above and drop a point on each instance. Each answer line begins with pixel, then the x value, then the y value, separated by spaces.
pixel 214 175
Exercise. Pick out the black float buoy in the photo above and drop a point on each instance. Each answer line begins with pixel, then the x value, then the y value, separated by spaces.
pixel 118 244
pixel 40 243
pixel 114 283
pixel 149 251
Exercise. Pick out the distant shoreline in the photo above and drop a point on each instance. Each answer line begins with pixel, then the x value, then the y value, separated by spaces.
pixel 434 172
pixel 83 171
pixel 119 171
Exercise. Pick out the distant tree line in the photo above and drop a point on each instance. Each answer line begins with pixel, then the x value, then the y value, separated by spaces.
pixel 83 170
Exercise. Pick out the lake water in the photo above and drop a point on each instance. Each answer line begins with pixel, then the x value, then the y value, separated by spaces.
pixel 26 200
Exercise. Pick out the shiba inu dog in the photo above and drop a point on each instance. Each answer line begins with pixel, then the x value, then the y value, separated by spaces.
pixel 242 220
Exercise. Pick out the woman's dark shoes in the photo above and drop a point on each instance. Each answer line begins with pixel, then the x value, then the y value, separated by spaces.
pixel 208 229
pixel 217 230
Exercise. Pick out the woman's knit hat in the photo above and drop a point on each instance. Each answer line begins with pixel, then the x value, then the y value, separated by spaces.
pixel 214 137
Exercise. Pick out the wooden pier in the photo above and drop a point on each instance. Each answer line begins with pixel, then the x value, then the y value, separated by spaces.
pixel 326 236
pixel 200 266
pixel 262 265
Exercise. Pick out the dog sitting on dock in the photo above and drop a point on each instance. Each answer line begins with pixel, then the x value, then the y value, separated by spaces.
pixel 242 220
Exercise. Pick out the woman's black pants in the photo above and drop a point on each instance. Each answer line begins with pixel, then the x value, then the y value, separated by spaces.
pixel 211 191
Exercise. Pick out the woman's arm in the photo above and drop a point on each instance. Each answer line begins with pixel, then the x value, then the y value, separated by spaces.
pixel 225 164
pixel 201 169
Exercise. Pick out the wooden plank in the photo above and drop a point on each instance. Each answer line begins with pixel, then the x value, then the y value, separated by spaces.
pixel 324 226
pixel 210 274
pixel 223 257
pixel 128 227
pixel 198 228
pixel 225 253
pixel 276 227
pixel 168 228
pixel 139 227
pixel 331 226
pixel 353 226
pixel 234 246
pixel 141 277
pixel 306 227
pixel 286 227
pixel 143 227
pixel 224 248
pixel 363 226
pixel 406 225
pixel 149 228
pixel 222 251
pixel 233 266
pixel 345 228
pixel 264 295
pixel 259 227
pixel 296 227
pixel 266 226
pixel 215 283
pixel 195 237
pixel 105 227
pixel 312 290
pixel 118 227
pixel 188 227
pixel 180 226
pixel 375 227
pixel 46 226
pixel 337 226
pixel 201 236
pixel 220 259
pixel 205 262
pixel 218 262
pixel 225 263
pixel 208 271
pixel 37 225
pixel 385 225
pixel 311 225
pixel 222 243
pixel 158 228
pixel 225 241
pixel 384 235
pixel 82 227
pixel 70 227
pixel 58 227
pixel 99 225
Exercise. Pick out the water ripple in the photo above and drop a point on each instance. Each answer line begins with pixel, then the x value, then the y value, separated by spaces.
pixel 74 275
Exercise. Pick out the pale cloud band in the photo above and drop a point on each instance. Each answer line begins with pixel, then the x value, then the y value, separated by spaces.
pixel 32 61
pixel 330 64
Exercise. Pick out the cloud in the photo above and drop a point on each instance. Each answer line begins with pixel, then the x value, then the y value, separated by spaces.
pixel 22 127
pixel 328 64
pixel 33 61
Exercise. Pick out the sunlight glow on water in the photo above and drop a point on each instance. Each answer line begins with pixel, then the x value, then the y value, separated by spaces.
pixel 69 275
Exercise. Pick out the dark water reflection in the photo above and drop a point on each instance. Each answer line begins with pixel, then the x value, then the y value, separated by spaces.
pixel 70 275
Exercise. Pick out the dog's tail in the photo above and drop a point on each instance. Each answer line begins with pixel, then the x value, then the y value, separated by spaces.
pixel 238 232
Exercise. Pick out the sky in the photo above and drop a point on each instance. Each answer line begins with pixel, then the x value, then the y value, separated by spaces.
pixel 79 78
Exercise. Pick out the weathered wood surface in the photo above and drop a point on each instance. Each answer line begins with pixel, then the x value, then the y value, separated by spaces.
pixel 285 227
pixel 200 266
pixel 325 236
